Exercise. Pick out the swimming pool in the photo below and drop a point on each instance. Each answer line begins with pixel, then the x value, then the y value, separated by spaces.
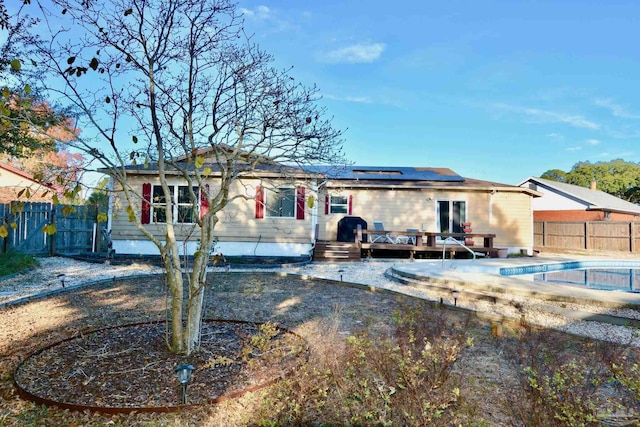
pixel 602 275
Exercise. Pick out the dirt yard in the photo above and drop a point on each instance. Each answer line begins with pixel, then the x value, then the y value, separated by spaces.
pixel 324 313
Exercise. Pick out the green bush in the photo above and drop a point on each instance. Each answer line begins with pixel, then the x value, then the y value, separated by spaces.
pixel 15 262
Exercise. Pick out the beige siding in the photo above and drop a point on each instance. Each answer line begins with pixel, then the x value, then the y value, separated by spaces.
pixel 237 221
pixel 513 219
pixel 508 215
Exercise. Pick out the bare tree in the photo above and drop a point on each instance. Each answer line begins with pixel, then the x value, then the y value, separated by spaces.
pixel 181 76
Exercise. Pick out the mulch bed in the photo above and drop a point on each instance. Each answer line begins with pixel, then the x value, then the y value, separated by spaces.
pixel 129 366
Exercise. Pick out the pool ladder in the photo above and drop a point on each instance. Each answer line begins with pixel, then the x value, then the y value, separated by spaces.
pixel 457 242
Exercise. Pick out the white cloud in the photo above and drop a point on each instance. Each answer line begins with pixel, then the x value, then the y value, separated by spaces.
pixel 574 148
pixel 593 141
pixel 355 99
pixel 616 109
pixel 260 12
pixel 555 136
pixel 359 99
pixel 546 116
pixel 357 53
pixel 618 155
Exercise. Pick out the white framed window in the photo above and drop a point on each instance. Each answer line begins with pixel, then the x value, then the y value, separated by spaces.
pixel 184 209
pixel 338 204
pixel 280 202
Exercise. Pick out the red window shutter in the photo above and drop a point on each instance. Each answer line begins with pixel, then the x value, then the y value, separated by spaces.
pixel 204 201
pixel 259 202
pixel 326 204
pixel 145 216
pixel 300 203
pixel 350 206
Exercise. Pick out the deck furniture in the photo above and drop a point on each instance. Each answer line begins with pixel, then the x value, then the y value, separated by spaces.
pixel 424 242
pixel 383 236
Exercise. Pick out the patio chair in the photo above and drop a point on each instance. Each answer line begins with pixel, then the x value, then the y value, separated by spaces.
pixel 412 239
pixel 381 238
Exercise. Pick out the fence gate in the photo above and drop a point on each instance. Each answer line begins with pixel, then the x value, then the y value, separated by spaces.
pixel 25 222
pixel 77 230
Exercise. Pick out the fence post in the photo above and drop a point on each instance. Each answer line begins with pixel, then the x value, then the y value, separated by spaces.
pixel 586 235
pixel 5 217
pixel 544 234
pixel 632 235
pixel 51 237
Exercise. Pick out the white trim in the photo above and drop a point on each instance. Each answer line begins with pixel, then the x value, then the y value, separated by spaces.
pixel 174 203
pixel 345 204
pixel 145 247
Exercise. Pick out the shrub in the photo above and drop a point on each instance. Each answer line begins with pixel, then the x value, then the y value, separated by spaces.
pixel 15 262
pixel 402 379
pixel 563 381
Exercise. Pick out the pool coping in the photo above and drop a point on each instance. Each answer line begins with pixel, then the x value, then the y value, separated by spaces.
pixel 484 276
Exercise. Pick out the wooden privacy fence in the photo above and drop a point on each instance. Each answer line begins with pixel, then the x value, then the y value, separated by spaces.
pixel 588 235
pixel 77 228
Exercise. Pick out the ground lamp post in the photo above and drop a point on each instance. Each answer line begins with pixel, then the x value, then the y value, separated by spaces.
pixel 184 376
pixel 455 294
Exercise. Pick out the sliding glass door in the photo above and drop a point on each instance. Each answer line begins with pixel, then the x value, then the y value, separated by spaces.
pixel 450 216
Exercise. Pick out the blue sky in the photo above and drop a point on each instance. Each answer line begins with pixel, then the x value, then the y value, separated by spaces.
pixel 495 90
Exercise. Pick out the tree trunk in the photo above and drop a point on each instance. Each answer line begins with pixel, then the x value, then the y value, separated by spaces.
pixel 176 286
pixel 197 283
pixel 173 267
pixel 194 317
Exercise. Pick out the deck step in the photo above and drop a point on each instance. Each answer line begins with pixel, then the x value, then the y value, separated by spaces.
pixel 336 251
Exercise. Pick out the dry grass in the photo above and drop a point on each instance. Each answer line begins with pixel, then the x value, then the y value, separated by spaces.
pixel 376 359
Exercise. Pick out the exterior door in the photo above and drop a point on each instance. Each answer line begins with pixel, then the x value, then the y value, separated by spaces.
pixel 450 216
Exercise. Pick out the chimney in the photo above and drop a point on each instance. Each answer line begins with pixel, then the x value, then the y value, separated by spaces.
pixel 594 185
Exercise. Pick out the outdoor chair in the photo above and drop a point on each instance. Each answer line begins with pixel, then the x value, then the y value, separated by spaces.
pixel 412 239
pixel 381 238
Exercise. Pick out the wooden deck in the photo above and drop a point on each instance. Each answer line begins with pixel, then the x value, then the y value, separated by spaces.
pixel 449 250
pixel 425 243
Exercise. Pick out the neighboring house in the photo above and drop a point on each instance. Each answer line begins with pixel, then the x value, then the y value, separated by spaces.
pixel 282 207
pixel 567 202
pixel 15 183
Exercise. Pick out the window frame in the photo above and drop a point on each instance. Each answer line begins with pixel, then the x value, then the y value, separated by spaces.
pixel 344 205
pixel 174 189
pixel 269 192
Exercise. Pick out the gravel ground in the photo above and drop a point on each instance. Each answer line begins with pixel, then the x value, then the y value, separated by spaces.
pixel 48 277
pixel 52 272
pixel 536 311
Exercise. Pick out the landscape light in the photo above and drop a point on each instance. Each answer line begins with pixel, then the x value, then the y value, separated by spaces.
pixel 184 376
pixel 454 294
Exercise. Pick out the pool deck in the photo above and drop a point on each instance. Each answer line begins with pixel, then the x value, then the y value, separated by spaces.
pixel 483 276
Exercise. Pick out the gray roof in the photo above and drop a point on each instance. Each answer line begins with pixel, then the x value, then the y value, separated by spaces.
pixel 595 198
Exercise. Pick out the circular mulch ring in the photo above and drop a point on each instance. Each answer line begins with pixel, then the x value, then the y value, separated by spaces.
pixel 128 368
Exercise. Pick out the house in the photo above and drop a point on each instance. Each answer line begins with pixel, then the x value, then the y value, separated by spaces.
pixel 567 202
pixel 15 183
pixel 283 211
pixel 429 199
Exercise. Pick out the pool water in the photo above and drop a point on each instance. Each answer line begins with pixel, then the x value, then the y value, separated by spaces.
pixel 610 279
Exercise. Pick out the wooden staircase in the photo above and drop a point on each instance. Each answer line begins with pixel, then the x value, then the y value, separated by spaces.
pixel 336 251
